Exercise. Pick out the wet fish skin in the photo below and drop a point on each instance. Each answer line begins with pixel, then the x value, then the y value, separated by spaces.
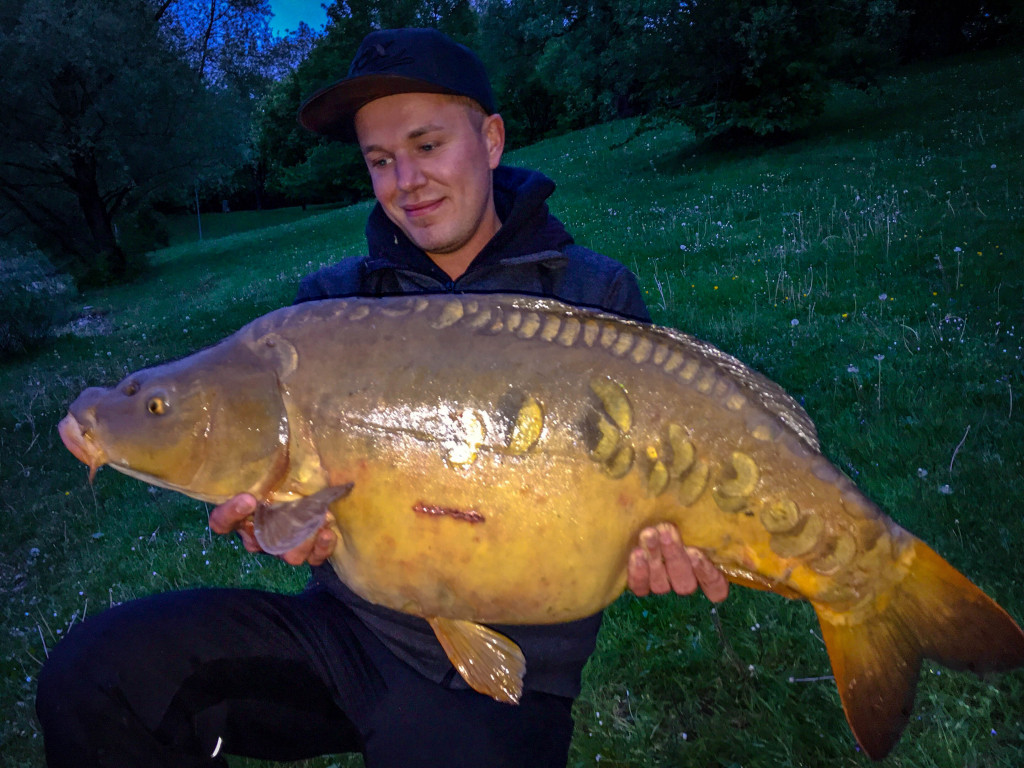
pixel 504 452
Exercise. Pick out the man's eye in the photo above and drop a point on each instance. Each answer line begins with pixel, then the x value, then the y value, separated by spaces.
pixel 428 147
pixel 380 162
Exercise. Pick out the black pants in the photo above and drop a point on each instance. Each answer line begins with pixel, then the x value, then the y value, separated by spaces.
pixel 182 678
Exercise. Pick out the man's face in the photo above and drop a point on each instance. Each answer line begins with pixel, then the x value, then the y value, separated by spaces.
pixel 430 159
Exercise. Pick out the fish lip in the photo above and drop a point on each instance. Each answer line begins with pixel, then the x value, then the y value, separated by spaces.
pixel 81 445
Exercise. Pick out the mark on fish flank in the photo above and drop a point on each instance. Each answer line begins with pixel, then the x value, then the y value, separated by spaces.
pixel 451 312
pixel 839 553
pixel 801 540
pixel 400 307
pixel 660 354
pixel 552 326
pixel 359 311
pixel 513 319
pixel 433 510
pixel 570 332
pixel 693 483
pixel 763 427
pixel 523 417
pixel 739 479
pixel 621 462
pixel 614 400
pixel 605 427
pixel 780 517
pixel 531 323
pixel 675 359
pixel 623 344
pixel 477 320
pixel 657 472
pixel 642 351
pixel 608 335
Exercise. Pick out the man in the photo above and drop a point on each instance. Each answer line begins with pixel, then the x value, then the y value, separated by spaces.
pixel 181 679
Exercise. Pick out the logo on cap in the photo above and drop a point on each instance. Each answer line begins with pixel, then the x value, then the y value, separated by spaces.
pixel 380 58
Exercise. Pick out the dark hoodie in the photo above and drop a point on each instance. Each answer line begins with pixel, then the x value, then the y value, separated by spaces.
pixel 532 253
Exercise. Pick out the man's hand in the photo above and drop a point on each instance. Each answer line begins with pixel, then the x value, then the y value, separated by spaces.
pixel 235 514
pixel 661 563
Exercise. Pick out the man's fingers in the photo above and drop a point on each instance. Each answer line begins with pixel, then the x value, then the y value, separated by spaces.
pixel 678 564
pixel 300 554
pixel 712 581
pixel 323 545
pixel 229 516
pixel 247 534
pixel 658 579
pixel 638 573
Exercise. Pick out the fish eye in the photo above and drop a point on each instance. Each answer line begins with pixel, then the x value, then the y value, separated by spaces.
pixel 157 406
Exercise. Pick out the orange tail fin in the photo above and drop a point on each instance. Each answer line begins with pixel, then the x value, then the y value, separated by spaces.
pixel 935 612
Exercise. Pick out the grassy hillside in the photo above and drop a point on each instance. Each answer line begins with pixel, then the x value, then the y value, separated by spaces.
pixel 874 268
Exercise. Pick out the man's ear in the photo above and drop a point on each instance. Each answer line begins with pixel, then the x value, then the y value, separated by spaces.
pixel 493 131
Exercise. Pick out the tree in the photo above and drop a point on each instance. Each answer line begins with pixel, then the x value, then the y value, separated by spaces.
pixel 98 113
pixel 763 67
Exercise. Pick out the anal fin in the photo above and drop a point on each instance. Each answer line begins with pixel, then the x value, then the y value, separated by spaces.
pixel 490 662
pixel 281 527
pixel 745 578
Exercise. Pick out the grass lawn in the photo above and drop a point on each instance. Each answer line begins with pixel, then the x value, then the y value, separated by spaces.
pixel 874 267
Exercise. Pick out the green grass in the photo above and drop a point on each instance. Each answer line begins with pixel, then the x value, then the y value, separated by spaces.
pixel 873 267
pixel 184 228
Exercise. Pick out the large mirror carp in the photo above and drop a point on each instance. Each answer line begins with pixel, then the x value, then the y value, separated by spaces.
pixel 492 459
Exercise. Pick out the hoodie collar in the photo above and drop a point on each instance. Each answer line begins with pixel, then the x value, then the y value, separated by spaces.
pixel 528 230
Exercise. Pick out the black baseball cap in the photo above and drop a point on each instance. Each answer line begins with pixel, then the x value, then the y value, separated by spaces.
pixel 391 61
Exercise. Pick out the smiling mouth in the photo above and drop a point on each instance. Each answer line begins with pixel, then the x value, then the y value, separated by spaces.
pixel 421 209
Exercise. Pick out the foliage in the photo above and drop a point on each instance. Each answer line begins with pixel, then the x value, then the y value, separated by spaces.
pixel 224 41
pixel 724 67
pixel 33 298
pixel 766 67
pixel 331 172
pixel 730 70
pixel 931 29
pixel 98 114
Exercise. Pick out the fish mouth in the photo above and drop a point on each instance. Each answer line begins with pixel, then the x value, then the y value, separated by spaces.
pixel 80 444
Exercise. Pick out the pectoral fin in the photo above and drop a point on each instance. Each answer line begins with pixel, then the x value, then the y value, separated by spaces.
pixel 487 660
pixel 284 526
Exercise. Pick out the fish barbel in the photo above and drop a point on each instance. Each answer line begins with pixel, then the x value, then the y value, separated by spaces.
pixel 492 459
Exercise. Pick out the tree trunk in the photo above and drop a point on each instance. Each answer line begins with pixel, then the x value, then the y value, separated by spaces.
pixel 107 256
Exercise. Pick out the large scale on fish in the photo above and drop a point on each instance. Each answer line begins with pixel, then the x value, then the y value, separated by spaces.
pixel 491 459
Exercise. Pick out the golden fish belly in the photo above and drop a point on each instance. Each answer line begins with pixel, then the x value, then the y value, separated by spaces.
pixel 432 544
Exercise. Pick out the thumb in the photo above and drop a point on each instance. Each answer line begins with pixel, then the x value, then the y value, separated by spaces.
pixel 229 516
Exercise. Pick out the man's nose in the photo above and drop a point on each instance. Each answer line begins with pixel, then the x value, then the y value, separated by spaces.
pixel 408 174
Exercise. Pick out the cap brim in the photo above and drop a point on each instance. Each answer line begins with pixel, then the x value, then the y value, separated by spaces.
pixel 331 111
